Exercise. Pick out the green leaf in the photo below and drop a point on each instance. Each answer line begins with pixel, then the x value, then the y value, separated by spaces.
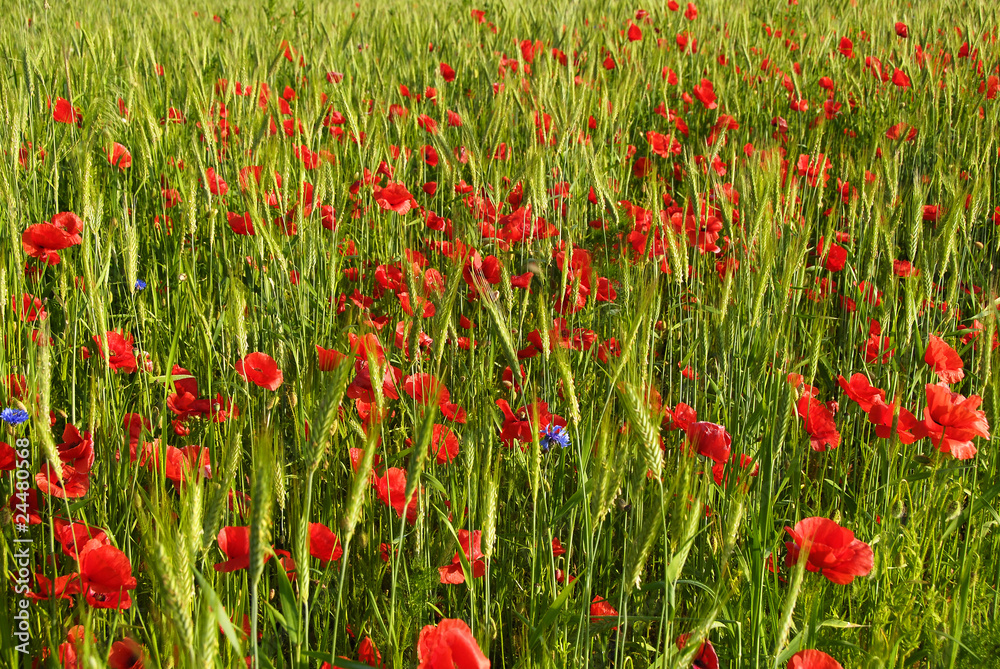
pixel 840 624
pixel 550 615
pixel 289 606
pixel 220 613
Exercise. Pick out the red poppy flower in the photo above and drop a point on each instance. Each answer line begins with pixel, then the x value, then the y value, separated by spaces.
pixel 69 650
pixel 444 444
pixel 64 587
pixel 105 569
pixel 430 155
pixel 818 423
pixel 181 464
pixel 394 197
pixel 663 145
pixel 634 32
pixel 120 355
pixel 427 123
pixel 72 486
pixel 68 221
pixel 329 359
pixel 361 386
pixel 15 384
pixel 900 79
pixel 846 47
pixel 238 502
pixel 479 270
pixel 426 389
pixel 367 346
pixel 119 157
pixel 705 658
pixel 832 549
pixel 836 259
pixel 815 171
pixel 368 653
pixel 471 545
pixel 680 418
pixel 904 269
pixel 896 131
pixel 126 654
pixel 77 535
pixel 449 645
pixel 120 600
pixel 240 224
pixel 8 457
pixel 261 370
pixel 31 308
pixel 944 360
pixel 234 542
pixel 43 240
pixel 391 488
pixel 64 112
pixel 424 307
pixel 952 421
pixel 357 453
pixel 601 610
pixel 76 449
pixel 705 93
pixel 184 400
pixel 710 440
pixel 876 347
pixel 862 391
pixel 813 659
pixel 908 428
pixel 24 154
pixel 323 544
pixel 134 425
pixel 216 184
pixel 561 577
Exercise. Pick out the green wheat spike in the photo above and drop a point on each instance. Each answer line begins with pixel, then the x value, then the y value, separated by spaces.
pixel 260 520
pixel 646 431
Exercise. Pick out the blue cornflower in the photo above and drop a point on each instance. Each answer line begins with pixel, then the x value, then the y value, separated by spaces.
pixel 13 416
pixel 140 284
pixel 553 435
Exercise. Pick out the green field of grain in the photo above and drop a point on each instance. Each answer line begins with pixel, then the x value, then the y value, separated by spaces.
pixel 437 335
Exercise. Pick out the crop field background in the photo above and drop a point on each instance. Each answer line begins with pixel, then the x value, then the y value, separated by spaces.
pixel 569 334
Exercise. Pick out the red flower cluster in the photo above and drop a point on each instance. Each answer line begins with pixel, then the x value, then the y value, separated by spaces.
pixel 449 645
pixel 45 240
pixel 104 573
pixel 832 550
